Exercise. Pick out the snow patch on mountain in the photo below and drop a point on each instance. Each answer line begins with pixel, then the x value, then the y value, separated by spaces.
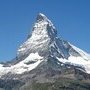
pixel 82 53
pixel 80 61
pixel 22 66
pixel 33 57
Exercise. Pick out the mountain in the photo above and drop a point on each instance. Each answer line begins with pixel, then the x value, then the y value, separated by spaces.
pixel 44 58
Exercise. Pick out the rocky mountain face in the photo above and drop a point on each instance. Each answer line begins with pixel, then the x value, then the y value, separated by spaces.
pixel 43 59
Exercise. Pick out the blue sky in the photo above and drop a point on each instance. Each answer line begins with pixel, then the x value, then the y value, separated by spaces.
pixel 70 17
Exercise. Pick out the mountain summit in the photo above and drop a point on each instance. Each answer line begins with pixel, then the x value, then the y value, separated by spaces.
pixel 43 33
pixel 45 54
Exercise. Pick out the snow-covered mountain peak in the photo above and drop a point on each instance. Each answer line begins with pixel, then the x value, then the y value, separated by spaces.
pixel 43 26
pixel 43 33
pixel 44 40
pixel 44 47
pixel 43 23
pixel 41 17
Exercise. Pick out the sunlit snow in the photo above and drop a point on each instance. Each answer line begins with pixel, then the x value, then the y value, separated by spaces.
pixel 22 67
